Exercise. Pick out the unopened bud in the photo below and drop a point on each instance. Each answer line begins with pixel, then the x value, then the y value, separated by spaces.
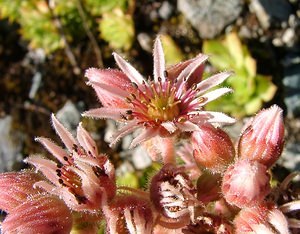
pixel 263 139
pixel 264 218
pixel 213 149
pixel 245 183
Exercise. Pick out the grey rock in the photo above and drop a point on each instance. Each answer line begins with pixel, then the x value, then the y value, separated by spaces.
pixel 140 158
pixel 36 82
pixel 268 11
pixel 166 10
pixel 69 116
pixel 290 157
pixel 145 41
pixel 210 17
pixel 291 83
pixel 10 145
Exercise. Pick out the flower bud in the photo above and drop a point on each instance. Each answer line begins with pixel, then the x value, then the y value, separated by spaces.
pixel 128 214
pixel 42 213
pixel 245 183
pixel 213 148
pixel 15 187
pixel 263 138
pixel 261 219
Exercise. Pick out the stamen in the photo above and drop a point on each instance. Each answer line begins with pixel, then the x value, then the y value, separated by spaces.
pixel 202 99
pixel 181 119
pixel 166 73
pixel 134 85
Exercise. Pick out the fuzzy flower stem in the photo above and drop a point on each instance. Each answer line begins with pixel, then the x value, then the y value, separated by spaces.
pixel 168 151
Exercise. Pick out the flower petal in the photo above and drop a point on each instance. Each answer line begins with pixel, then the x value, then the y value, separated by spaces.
pixel 129 70
pixel 144 136
pixel 169 126
pixel 106 113
pixel 130 127
pixel 158 61
pixel 54 149
pixel 187 126
pixel 113 90
pixel 210 96
pixel 47 167
pixel 63 133
pixel 86 141
pixel 212 117
pixel 212 81
pixel 187 72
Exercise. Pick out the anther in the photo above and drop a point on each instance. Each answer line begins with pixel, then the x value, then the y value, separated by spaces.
pixel 132 96
pixel 134 85
pixel 181 119
pixel 194 86
pixel 129 112
pixel 65 158
pixel 128 100
pixel 61 182
pixel 159 79
pixel 202 99
pixel 166 73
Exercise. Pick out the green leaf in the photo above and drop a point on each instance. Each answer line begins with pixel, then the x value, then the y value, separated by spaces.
pixel 265 88
pixel 130 179
pixel 117 29
pixel 11 9
pixel 250 89
pixel 98 7
pixel 172 52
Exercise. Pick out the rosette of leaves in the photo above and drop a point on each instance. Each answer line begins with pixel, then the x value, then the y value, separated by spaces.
pixel 251 90
pixel 117 28
pixel 37 22
pixel 47 27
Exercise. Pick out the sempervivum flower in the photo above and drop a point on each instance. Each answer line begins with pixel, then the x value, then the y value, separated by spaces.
pixel 245 183
pixel 29 209
pixel 83 178
pixel 173 101
pixel 173 195
pixel 263 137
pixel 128 214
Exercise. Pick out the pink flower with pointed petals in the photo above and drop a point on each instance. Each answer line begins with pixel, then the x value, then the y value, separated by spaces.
pixel 83 178
pixel 29 209
pixel 172 102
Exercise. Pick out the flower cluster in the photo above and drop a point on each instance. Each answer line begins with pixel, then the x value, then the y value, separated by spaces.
pixel 206 184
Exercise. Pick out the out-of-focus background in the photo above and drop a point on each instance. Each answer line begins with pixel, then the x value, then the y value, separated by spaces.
pixel 46 45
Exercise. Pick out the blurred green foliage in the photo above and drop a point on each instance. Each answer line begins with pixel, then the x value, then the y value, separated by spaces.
pixel 251 90
pixel 172 52
pixel 45 23
pixel 117 29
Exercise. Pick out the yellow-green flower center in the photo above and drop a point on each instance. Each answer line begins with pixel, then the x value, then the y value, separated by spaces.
pixel 163 108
